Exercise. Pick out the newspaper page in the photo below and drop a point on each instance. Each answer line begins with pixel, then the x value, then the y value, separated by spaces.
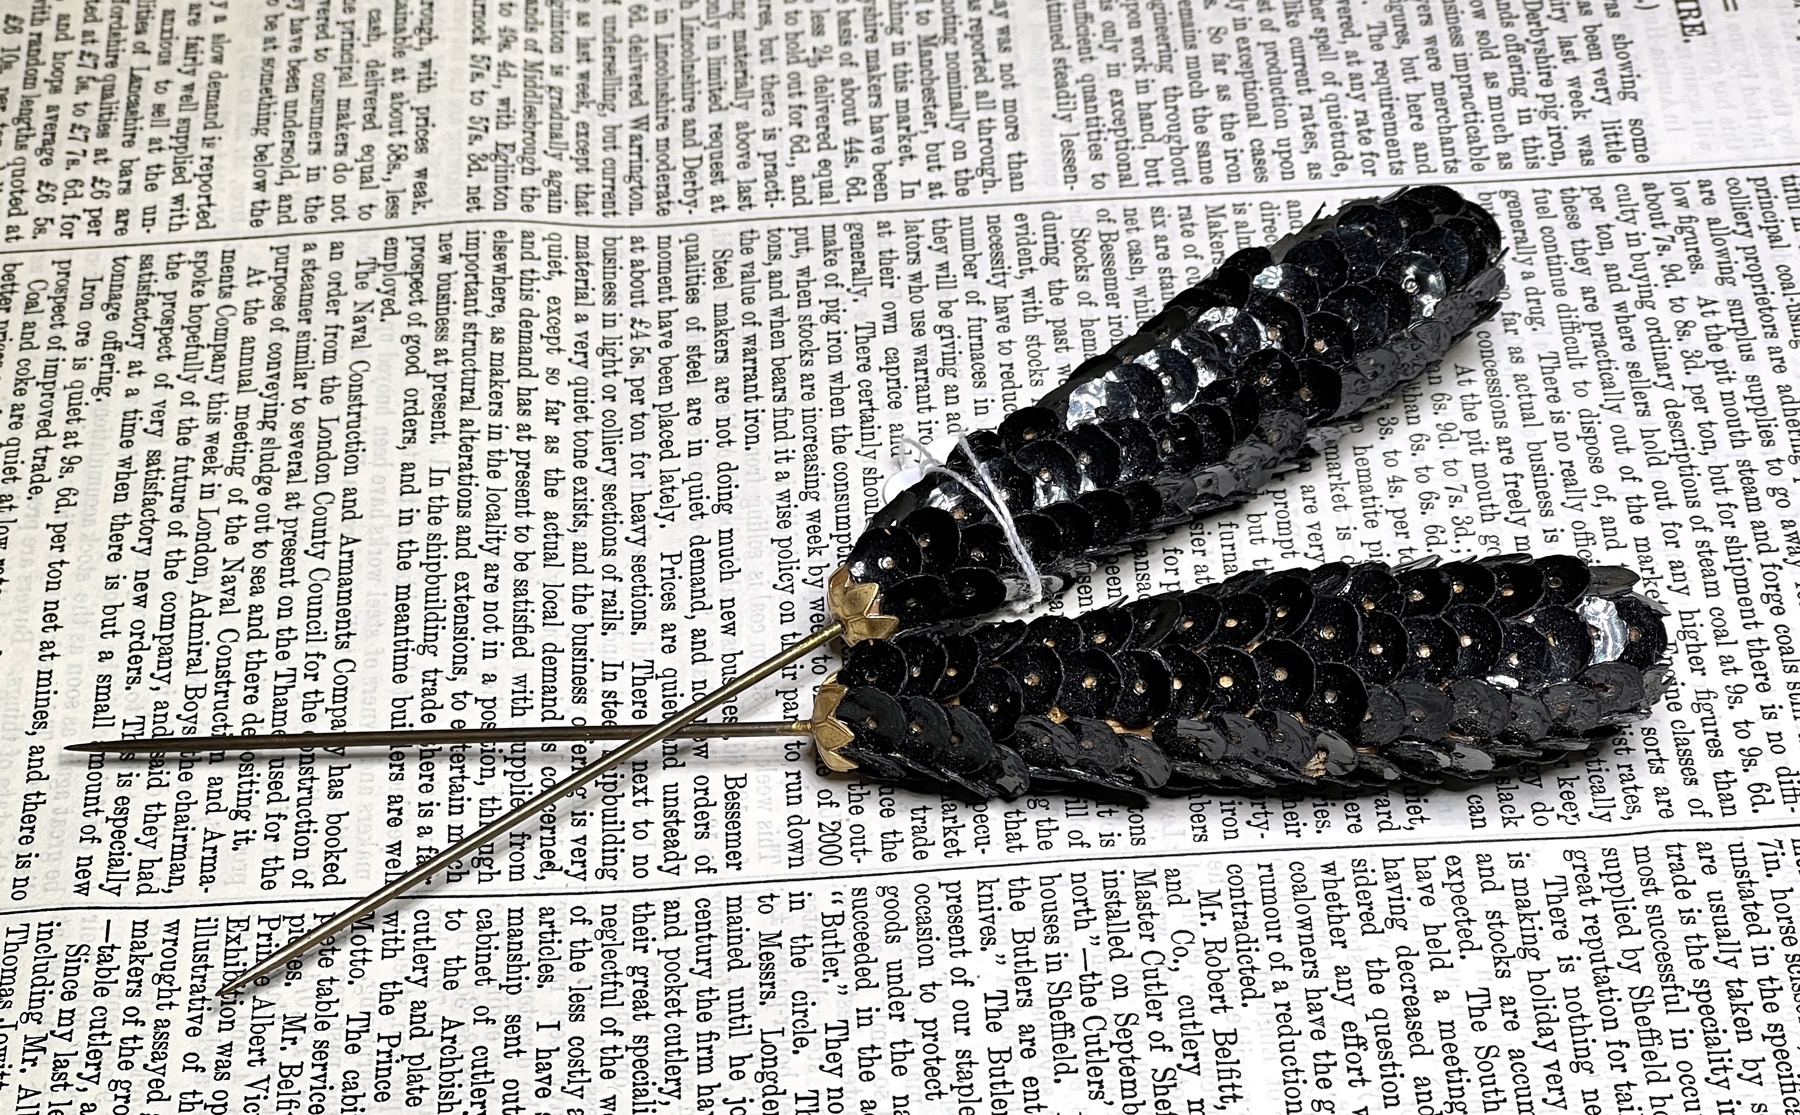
pixel 394 363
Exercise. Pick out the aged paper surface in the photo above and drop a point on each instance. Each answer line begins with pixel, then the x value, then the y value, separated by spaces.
pixel 524 361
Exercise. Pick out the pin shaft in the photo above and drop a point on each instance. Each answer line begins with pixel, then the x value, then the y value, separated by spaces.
pixel 498 827
pixel 435 737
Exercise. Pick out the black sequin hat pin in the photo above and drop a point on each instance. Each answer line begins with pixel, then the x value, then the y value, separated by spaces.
pixel 1334 678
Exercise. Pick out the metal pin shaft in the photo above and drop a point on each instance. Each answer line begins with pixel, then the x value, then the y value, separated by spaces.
pixel 435 737
pixel 498 827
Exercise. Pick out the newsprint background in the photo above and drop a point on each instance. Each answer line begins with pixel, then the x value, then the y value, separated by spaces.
pixel 517 361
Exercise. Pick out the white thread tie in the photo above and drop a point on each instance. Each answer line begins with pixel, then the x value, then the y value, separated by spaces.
pixel 993 501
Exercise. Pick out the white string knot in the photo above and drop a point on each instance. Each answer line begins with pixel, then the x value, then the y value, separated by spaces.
pixel 988 493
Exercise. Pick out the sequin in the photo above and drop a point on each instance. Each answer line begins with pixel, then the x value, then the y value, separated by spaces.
pixel 1289 741
pixel 1145 501
pixel 1098 749
pixel 1179 442
pixel 1574 708
pixel 1105 629
pixel 998 637
pixel 1290 603
pixel 1382 652
pixel 1565 578
pixel 986 545
pixel 1076 527
pixel 1283 327
pixel 1479 639
pixel 1319 392
pixel 1042 539
pixel 1243 617
pixel 1240 333
pixel 1427 710
pixel 1046 744
pixel 1052 471
pixel 1414 217
pixel 1518 586
pixel 1321 260
pixel 1137 450
pixel 925 661
pixel 1474 242
pixel 994 697
pixel 1606 631
pixel 1038 672
pixel 1090 684
pixel 1431 650
pixel 1190 740
pixel 1384 720
pixel 1179 376
pixel 1620 688
pixel 1289 282
pixel 1388 230
pixel 1363 310
pixel 1521 660
pixel 1029 426
pixel 1340 699
pixel 974 591
pixel 1284 674
pixel 1329 337
pixel 874 662
pixel 1568 646
pixel 885 556
pixel 1420 277
pixel 1245 742
pixel 1233 674
pixel 1246 262
pixel 1470 583
pixel 1059 633
pixel 962 657
pixel 917 600
pixel 1446 249
pixel 924 728
pixel 1111 516
pixel 1440 201
pixel 967 747
pixel 1143 689
pixel 1373 588
pixel 1610 580
pixel 938 539
pixel 1424 592
pixel 1152 620
pixel 1479 709
pixel 1360 250
pixel 1200 615
pixel 1144 764
pixel 875 719
pixel 1464 763
pixel 1190 680
pixel 1489 229
pixel 953 495
pixel 1336 752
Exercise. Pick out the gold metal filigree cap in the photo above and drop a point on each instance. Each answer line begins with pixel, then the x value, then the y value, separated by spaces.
pixel 831 735
pixel 858 608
